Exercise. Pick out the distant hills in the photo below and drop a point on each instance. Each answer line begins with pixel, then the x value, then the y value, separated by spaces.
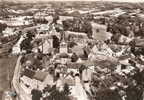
pixel 103 5
pixel 37 1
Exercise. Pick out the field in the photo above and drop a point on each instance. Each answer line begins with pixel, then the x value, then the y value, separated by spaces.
pixel 102 34
pixel 7 66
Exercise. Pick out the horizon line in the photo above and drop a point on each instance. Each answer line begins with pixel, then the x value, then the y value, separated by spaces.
pixel 37 1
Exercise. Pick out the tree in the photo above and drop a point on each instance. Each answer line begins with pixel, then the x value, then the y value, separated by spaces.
pixel 116 37
pixel 37 64
pixel 51 70
pixel 134 93
pixel 2 27
pixel 82 68
pixel 56 42
pixel 58 27
pixel 26 45
pixel 36 94
pixel 88 28
pixel 30 35
pixel 66 89
pixel 67 24
pixel 78 25
pixel 74 57
pixel 71 44
pixel 58 95
pixel 108 94
pixel 55 18
pixel 23 59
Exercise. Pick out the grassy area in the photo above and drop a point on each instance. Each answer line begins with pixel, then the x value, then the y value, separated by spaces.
pixel 7 66
pixel 102 34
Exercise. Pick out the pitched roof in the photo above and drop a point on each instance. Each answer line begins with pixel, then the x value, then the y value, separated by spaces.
pixel 64 55
pixel 69 80
pixel 78 50
pixel 106 64
pixel 74 65
pixel 40 75
pixel 28 73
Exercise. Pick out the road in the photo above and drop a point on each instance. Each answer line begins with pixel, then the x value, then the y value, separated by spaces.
pixel 7 66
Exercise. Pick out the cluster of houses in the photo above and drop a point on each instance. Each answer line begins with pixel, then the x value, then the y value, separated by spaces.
pixel 76 66
pixel 61 64
pixel 62 57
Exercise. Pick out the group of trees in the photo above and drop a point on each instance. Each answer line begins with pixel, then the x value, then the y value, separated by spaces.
pixel 55 94
pixel 126 25
pixel 26 43
pixel 136 86
pixel 74 57
pixel 36 63
pixel 56 42
pixel 41 21
pixel 132 87
pixel 2 27
pixel 78 25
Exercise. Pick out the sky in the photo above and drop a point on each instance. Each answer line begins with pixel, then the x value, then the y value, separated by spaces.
pixel 134 1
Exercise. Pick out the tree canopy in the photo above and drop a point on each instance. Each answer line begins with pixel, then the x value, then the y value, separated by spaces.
pixel 2 27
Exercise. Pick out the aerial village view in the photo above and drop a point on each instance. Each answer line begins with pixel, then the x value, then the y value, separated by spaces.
pixel 71 50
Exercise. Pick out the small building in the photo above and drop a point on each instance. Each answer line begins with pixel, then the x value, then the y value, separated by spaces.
pixel 69 80
pixel 31 80
pixel 87 74
pixel 124 67
pixel 76 36
pixel 63 47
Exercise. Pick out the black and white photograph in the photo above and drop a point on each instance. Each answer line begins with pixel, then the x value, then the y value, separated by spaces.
pixel 71 49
